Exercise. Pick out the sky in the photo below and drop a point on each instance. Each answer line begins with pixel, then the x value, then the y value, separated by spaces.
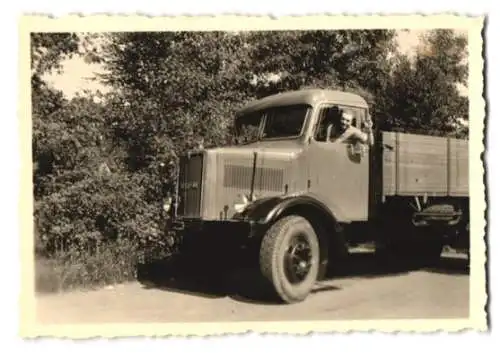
pixel 77 75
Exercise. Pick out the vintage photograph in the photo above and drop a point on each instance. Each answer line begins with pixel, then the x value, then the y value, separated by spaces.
pixel 246 175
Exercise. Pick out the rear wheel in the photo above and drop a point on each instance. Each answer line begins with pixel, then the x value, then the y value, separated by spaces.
pixel 289 258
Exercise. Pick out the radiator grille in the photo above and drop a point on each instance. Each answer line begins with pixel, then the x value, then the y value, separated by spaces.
pixel 240 177
pixel 190 180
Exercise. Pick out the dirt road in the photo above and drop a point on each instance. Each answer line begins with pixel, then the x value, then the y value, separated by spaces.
pixel 366 292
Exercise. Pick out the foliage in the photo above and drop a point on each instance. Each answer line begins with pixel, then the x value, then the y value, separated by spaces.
pixel 48 49
pixel 423 96
pixel 180 88
pixel 352 60
pixel 86 200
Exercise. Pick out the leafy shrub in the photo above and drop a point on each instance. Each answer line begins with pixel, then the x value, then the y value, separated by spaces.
pixel 98 210
pixel 96 231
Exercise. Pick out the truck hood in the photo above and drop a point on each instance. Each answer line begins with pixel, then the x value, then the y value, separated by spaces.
pixel 287 148
pixel 262 169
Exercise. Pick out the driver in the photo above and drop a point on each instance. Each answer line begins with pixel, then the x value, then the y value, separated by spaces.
pixel 341 129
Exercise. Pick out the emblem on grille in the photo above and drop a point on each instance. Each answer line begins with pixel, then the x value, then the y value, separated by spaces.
pixel 189 185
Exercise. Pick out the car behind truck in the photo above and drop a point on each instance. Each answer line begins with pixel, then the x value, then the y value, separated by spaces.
pixel 291 202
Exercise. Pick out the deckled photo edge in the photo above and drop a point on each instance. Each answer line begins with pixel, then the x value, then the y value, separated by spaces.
pixel 477 112
pixel 478 295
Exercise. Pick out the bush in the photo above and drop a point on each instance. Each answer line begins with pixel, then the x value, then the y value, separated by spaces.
pixel 94 215
pixel 95 231
pixel 98 210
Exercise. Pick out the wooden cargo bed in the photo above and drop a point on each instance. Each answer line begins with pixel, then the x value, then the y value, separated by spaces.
pixel 424 165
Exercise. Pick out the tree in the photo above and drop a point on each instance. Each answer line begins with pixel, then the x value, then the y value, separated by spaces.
pixel 48 49
pixel 422 95
pixel 47 52
pixel 354 60
pixel 175 89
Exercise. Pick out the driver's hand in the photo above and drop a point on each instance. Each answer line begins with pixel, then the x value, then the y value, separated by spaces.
pixel 369 123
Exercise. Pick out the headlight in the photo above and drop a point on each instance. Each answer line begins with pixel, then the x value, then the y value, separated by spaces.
pixel 241 204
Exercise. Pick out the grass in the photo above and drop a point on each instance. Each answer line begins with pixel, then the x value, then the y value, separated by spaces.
pixel 112 264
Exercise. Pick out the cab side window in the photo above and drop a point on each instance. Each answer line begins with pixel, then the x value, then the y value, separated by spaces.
pixel 326 121
pixel 358 114
pixel 329 117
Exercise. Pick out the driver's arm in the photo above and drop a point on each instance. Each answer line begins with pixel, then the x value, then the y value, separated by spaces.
pixel 369 133
pixel 363 137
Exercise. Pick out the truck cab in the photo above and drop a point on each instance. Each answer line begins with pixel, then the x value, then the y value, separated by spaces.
pixel 282 151
pixel 281 171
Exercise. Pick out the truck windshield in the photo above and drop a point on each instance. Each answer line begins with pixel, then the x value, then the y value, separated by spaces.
pixel 279 122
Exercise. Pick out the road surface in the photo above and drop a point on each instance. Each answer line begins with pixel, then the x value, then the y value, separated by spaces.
pixel 366 292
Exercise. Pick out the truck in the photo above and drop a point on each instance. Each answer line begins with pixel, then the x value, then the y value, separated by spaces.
pixel 292 203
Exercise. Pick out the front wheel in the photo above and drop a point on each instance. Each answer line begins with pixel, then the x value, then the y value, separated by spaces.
pixel 289 258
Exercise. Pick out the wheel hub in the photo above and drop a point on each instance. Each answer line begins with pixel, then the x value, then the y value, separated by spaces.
pixel 298 259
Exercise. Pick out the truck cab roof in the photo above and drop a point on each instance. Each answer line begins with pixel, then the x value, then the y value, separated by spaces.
pixel 304 96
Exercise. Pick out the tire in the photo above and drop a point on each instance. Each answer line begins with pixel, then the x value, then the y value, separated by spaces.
pixel 276 262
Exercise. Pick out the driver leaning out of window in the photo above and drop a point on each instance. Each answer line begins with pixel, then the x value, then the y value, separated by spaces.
pixel 340 128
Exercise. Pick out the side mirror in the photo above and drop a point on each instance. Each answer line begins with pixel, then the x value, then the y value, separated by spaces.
pixel 358 149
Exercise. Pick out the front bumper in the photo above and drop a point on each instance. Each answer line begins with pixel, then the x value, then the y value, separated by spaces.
pixel 220 234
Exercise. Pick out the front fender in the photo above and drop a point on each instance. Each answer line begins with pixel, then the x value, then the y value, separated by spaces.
pixel 265 211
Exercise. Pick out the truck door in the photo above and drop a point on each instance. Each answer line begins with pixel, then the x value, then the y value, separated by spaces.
pixel 339 171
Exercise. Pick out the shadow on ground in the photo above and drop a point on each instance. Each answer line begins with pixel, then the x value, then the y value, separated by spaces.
pixel 451 265
pixel 244 286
